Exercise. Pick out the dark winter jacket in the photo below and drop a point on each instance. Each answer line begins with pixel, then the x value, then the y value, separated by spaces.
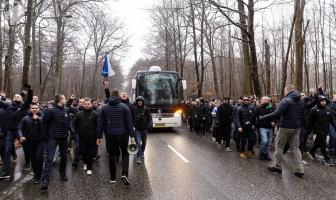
pixel 289 111
pixel 56 122
pixel 262 111
pixel 142 116
pixel 224 115
pixel 245 116
pixel 15 111
pixel 320 118
pixel 85 124
pixel 202 111
pixel 30 128
pixel 114 119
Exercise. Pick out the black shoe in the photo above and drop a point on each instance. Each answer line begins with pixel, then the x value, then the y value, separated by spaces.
pixel 96 158
pixel 275 170
pixel 64 178
pixel 125 180
pixel 4 176
pixel 37 181
pixel 75 166
pixel 44 187
pixel 298 174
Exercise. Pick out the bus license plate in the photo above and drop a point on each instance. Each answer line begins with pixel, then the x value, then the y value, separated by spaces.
pixel 160 124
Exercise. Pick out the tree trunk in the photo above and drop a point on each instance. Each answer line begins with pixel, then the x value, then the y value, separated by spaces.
pixel 1 47
pixel 192 11
pixel 27 47
pixel 268 68
pixel 254 61
pixel 9 60
pixel 34 56
pixel 300 4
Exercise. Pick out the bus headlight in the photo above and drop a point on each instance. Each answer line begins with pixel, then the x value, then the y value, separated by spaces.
pixel 178 113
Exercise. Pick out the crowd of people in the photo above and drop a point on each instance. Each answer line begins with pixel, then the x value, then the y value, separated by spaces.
pixel 252 122
pixel 249 122
pixel 54 128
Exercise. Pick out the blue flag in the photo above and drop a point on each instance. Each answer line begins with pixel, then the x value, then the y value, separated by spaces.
pixel 107 68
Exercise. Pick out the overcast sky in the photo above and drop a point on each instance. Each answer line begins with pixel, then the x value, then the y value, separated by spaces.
pixel 136 16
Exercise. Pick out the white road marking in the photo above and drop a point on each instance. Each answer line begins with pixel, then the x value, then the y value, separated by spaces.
pixel 178 154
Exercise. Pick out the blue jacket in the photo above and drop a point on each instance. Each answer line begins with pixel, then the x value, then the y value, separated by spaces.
pixel 56 122
pixel 245 116
pixel 15 111
pixel 30 128
pixel 290 111
pixel 114 119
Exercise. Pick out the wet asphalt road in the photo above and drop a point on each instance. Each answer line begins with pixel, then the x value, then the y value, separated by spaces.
pixel 200 171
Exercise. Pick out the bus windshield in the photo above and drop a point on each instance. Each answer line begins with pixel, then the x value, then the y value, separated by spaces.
pixel 159 88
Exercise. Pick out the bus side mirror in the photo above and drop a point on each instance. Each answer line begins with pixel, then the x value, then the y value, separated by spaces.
pixel 184 84
pixel 134 82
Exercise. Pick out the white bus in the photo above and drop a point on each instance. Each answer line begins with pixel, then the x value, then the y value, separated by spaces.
pixel 163 93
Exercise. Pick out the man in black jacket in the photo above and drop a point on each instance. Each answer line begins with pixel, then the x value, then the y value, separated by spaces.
pixel 55 129
pixel 225 117
pixel 30 134
pixel 116 123
pixel 245 120
pixel 142 122
pixel 14 113
pixel 265 127
pixel 320 118
pixel 85 125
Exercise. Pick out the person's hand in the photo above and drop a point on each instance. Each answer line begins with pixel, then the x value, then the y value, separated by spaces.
pixel 253 127
pixel 73 97
pixel 22 139
pixel 35 116
pixel 273 124
pixel 133 140
pixel 105 83
pixel 99 141
pixel 24 92
pixel 240 130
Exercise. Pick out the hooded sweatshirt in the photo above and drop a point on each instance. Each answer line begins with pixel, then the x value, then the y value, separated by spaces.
pixel 142 116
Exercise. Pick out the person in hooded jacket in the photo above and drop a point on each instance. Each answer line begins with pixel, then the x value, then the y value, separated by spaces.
pixel 14 113
pixel 142 122
pixel 116 123
pixel 290 113
pixel 30 134
pixel 202 112
pixel 225 118
pixel 85 125
pixel 320 118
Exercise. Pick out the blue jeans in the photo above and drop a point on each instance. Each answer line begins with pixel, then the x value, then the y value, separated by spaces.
pixel 141 140
pixel 8 145
pixel 266 135
pixel 63 147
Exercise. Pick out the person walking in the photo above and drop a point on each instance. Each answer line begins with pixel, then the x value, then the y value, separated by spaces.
pixel 265 127
pixel 30 134
pixel 320 118
pixel 85 125
pixel 142 122
pixel 225 118
pixel 115 122
pixel 14 112
pixel 290 113
pixel 55 130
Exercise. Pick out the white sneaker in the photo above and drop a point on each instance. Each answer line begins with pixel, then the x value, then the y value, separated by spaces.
pixel 85 167
pixel 89 172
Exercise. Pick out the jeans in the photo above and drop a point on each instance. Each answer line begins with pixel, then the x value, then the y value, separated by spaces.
pixel 141 140
pixel 63 147
pixel 114 144
pixel 26 150
pixel 36 155
pixel 266 135
pixel 224 133
pixel 8 148
pixel 87 151
pixel 291 135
